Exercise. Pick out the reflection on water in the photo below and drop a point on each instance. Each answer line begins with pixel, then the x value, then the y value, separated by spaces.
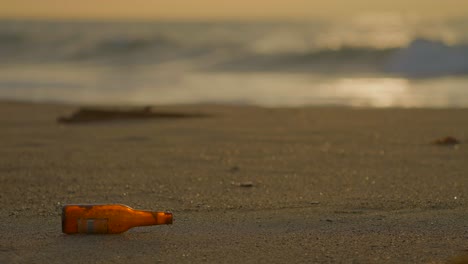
pixel 376 92
pixel 293 90
pixel 101 86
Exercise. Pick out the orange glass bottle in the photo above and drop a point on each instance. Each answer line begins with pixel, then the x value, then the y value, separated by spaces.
pixel 108 219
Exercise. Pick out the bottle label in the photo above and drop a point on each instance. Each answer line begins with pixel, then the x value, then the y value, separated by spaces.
pixel 92 225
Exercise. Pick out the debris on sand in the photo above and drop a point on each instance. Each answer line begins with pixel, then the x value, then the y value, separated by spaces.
pixel 84 115
pixel 234 169
pixel 245 184
pixel 446 141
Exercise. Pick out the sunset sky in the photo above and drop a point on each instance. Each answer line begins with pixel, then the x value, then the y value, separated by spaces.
pixel 224 9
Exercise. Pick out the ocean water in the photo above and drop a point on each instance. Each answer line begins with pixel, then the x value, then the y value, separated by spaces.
pixel 371 61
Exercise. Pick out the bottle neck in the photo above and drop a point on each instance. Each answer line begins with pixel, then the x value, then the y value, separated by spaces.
pixel 146 218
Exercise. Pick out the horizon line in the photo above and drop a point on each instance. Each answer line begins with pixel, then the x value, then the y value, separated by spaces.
pixel 218 19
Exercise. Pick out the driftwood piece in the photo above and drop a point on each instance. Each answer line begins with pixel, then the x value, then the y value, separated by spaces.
pixel 84 115
pixel 446 141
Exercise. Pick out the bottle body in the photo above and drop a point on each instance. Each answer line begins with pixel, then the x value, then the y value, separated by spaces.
pixel 108 218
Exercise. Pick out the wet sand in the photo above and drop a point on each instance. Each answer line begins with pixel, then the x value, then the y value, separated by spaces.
pixel 246 185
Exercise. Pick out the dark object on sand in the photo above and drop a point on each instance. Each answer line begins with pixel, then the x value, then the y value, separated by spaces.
pixel 84 115
pixel 446 141
pixel 108 218
pixel 234 169
pixel 246 184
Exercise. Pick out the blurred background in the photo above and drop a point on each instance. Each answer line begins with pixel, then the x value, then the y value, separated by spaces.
pixel 373 53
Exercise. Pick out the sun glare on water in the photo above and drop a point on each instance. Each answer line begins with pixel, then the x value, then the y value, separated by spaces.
pixel 376 92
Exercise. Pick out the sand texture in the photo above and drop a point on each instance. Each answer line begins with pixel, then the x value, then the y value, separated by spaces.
pixel 245 184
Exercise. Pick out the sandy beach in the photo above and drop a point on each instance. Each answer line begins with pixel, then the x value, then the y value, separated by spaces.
pixel 245 184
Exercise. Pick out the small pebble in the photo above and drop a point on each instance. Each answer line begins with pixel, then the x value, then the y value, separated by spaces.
pixel 446 141
pixel 246 184
pixel 234 169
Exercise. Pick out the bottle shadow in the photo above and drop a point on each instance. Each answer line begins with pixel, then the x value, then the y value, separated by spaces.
pixel 111 248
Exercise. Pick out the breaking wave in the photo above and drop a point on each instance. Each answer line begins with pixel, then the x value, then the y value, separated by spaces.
pixel 423 58
pixel 420 59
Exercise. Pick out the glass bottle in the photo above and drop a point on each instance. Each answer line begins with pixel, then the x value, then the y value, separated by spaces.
pixel 108 218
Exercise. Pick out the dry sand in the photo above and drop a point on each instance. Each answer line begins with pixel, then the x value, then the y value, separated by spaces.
pixel 329 185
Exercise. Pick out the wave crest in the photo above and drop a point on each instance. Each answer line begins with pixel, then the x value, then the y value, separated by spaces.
pixel 423 58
